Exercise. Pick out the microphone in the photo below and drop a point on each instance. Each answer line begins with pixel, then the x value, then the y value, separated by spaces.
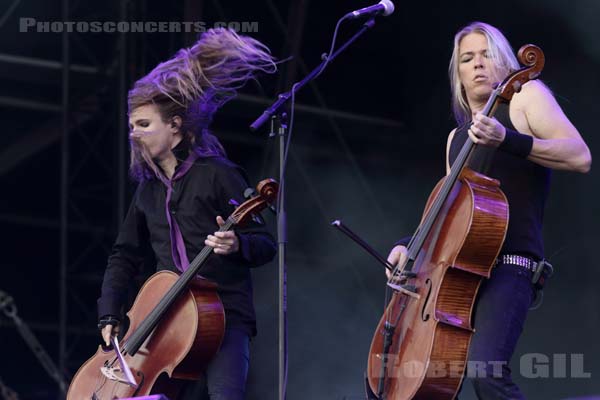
pixel 385 7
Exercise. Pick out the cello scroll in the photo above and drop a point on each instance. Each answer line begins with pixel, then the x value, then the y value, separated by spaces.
pixel 533 58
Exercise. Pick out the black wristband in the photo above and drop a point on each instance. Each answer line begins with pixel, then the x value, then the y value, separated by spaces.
pixel 516 143
pixel 108 320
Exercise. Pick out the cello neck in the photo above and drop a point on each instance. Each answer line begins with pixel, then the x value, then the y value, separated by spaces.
pixel 418 239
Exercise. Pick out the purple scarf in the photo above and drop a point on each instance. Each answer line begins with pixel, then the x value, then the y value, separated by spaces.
pixel 177 244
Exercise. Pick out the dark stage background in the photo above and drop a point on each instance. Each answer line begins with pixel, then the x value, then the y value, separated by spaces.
pixel 368 147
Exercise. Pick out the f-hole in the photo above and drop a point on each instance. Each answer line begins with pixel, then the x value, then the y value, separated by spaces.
pixel 425 317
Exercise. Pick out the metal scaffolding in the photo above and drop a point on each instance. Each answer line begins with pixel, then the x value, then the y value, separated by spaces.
pixel 93 142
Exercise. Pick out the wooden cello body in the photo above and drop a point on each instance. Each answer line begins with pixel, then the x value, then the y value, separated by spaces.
pixel 420 346
pixel 432 336
pixel 177 323
pixel 185 340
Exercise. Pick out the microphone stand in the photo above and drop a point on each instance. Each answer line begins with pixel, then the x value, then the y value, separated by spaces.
pixel 276 113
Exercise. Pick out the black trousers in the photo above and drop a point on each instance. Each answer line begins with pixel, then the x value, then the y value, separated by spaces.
pixel 500 312
pixel 225 376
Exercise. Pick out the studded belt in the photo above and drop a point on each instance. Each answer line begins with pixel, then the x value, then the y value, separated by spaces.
pixel 521 261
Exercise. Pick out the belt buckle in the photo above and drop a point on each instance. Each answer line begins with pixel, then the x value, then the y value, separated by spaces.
pixel 535 266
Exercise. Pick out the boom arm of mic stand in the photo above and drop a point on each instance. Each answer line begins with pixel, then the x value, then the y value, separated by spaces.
pixel 283 98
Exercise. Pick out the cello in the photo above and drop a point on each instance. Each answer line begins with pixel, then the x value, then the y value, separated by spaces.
pixel 420 346
pixel 177 323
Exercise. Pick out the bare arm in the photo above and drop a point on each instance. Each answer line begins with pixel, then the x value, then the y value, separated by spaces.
pixel 450 137
pixel 556 142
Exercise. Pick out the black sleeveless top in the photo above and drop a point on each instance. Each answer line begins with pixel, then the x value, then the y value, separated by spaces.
pixel 525 184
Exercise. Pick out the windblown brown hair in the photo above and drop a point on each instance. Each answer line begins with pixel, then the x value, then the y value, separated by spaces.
pixel 193 85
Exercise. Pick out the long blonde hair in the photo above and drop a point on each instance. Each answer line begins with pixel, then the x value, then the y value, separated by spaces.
pixel 193 85
pixel 501 54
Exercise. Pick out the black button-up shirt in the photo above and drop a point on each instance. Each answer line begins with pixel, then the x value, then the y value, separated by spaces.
pixel 198 197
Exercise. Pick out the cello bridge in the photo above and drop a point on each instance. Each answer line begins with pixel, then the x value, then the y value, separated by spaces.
pixel 407 289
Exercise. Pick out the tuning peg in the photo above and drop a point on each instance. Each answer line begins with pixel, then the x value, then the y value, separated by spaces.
pixel 249 193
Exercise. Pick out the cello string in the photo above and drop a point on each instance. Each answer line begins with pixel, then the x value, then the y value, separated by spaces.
pixel 427 222
pixel 149 323
pixel 424 229
pixel 152 319
pixel 459 164
pixel 489 110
